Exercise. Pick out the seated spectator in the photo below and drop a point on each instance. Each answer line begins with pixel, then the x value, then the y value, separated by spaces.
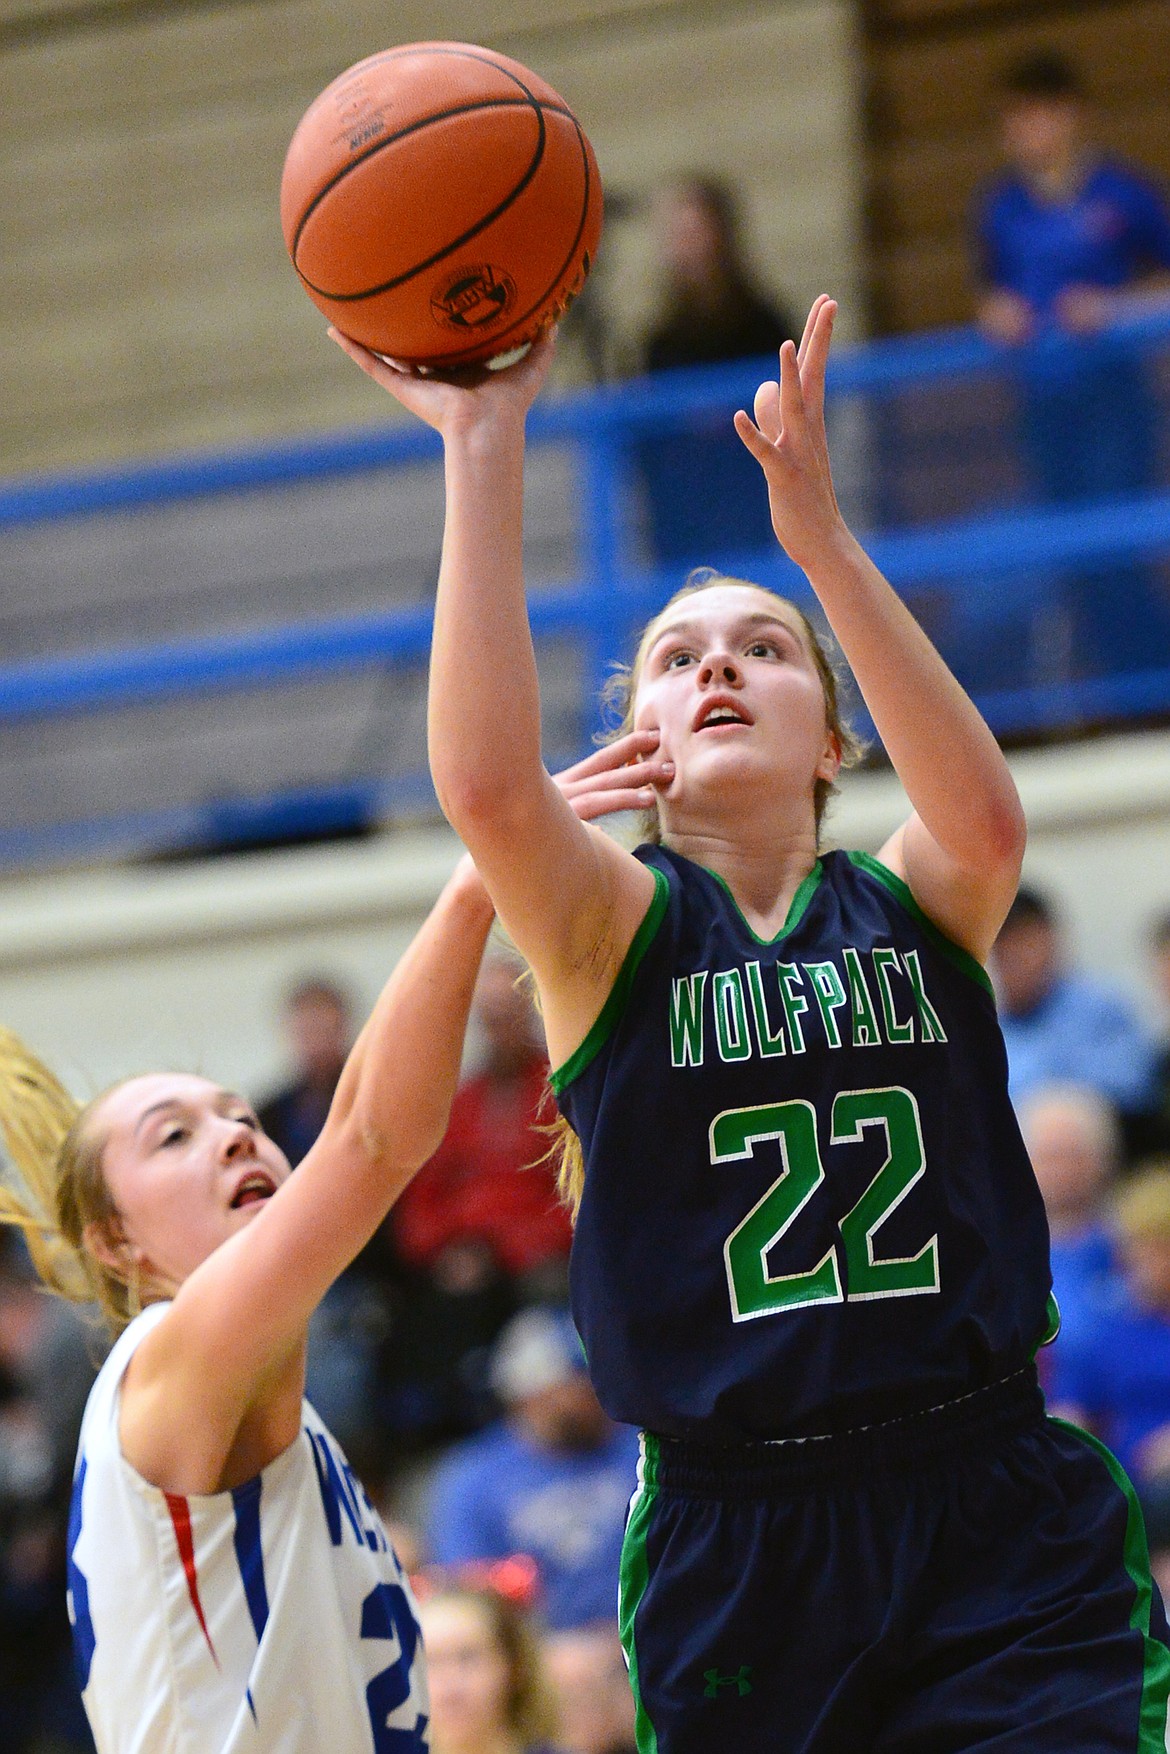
pixel 488 1687
pixel 1157 1133
pixel 1074 1143
pixel 347 1327
pixel 486 1185
pixel 318 1020
pixel 45 1375
pixel 552 1479
pixel 593 1690
pixel 1061 1026
pixel 704 499
pixel 480 1230
pixel 1114 1374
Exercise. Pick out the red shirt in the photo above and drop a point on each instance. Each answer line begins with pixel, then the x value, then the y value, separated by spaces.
pixel 485 1182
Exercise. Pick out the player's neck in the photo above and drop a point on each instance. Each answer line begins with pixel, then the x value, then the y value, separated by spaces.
pixel 762 867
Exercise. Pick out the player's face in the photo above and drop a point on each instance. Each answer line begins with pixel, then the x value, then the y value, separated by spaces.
pixel 467 1674
pixel 187 1166
pixel 732 688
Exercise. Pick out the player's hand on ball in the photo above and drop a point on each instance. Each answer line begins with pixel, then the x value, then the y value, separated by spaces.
pixel 787 439
pixel 625 775
pixel 454 401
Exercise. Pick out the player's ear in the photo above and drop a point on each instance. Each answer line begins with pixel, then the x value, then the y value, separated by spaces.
pixel 829 765
pixel 106 1241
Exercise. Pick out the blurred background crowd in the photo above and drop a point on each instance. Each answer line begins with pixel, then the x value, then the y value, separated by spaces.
pixel 445 1359
pixel 447 1363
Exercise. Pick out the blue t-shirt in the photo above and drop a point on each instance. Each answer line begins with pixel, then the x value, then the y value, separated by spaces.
pixel 500 1493
pixel 1081 1033
pixel 1085 1276
pixel 1116 1369
pixel 807 1205
pixel 1115 227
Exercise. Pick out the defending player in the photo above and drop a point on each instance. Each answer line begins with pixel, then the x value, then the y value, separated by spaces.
pixel 811 1258
pixel 231 1587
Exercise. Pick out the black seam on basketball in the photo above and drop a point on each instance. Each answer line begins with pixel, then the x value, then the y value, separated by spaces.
pixel 391 140
pixel 463 52
pixel 453 359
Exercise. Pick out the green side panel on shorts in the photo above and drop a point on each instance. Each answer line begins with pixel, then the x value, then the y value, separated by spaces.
pixel 611 1011
pixel 1156 1657
pixel 634 1576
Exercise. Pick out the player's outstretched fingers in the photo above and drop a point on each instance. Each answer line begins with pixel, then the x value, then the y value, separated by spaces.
pixel 810 324
pixel 761 447
pixel 793 415
pixel 815 363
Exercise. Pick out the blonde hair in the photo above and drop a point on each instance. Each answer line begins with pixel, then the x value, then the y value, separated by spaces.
pixel 531 1703
pixel 619 697
pixel 1141 1208
pixel 52 1187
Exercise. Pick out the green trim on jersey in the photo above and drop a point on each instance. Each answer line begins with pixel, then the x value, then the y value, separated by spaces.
pixel 607 1018
pixel 1136 1556
pixel 633 1577
pixel 901 892
pixel 1051 1324
pixel 796 906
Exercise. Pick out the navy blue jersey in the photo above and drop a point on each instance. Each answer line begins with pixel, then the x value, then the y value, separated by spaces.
pixel 807 1204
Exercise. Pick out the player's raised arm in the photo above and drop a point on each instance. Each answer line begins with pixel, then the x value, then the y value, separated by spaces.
pixel 962 848
pixel 570 898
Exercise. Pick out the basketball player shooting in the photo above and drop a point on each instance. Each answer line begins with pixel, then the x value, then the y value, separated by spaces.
pixel 811 1259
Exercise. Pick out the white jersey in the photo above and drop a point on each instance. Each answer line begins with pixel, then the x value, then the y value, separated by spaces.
pixel 272 1619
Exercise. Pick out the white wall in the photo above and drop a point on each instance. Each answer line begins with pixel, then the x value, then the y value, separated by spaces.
pixel 113 972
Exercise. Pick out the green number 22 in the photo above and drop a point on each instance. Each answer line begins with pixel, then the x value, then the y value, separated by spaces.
pixel 735 1134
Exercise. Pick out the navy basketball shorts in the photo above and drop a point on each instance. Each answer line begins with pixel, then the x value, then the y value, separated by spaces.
pixel 973 1577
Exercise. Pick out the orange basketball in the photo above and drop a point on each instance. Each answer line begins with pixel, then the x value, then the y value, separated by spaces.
pixel 441 204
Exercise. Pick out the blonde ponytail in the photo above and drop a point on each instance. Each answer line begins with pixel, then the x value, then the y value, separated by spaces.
pixel 51 1186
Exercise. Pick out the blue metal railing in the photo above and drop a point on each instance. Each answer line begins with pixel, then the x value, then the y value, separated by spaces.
pixel 986 582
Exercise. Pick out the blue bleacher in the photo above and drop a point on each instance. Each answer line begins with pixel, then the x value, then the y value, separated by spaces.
pixel 230 649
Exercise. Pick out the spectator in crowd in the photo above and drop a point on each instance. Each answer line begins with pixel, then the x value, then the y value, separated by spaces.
pixel 1158 1136
pixel 480 1231
pixel 1065 236
pixel 348 1324
pixel 1113 1376
pixel 593 1690
pixel 704 497
pixel 1061 1026
pixel 45 1375
pixel 318 1019
pixel 1074 1143
pixel 486 1187
pixel 552 1479
pixel 489 1690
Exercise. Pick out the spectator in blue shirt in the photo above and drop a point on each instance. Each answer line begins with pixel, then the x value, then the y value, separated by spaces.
pixel 1074 1143
pixel 1114 1375
pixel 553 1479
pixel 1065 236
pixel 1060 1026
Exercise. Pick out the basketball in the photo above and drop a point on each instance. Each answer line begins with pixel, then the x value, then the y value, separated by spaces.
pixel 441 204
